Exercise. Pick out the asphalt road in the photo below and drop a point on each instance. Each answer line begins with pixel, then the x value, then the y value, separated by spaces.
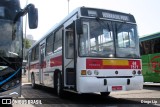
pixel 148 97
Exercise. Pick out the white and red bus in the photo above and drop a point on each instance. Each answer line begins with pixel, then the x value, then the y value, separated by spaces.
pixel 91 50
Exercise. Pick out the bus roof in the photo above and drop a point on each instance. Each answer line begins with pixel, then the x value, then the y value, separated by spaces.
pixel 149 37
pixel 55 27
pixel 83 14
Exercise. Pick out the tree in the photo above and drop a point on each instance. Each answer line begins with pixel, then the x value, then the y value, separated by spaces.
pixel 26 43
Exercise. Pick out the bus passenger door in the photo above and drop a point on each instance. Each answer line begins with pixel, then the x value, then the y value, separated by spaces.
pixel 69 71
pixel 42 63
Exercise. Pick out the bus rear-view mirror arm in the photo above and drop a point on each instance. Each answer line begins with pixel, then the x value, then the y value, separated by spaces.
pixel 32 15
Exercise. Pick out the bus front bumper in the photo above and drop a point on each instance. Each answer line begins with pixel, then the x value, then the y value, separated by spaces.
pixel 94 84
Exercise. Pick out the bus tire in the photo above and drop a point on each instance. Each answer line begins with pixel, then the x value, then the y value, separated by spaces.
pixel 105 94
pixel 58 85
pixel 33 81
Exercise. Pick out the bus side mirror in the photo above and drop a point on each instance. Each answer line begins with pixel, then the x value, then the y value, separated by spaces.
pixel 33 17
pixel 79 26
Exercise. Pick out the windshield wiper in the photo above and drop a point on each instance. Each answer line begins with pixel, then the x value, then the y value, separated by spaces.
pixel 104 24
pixel 120 26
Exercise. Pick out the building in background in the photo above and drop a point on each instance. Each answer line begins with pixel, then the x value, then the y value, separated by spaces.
pixel 28 42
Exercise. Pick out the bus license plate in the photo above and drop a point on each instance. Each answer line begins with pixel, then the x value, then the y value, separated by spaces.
pixel 116 88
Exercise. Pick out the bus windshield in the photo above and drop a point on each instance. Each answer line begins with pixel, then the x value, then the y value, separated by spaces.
pixel 10 33
pixel 103 38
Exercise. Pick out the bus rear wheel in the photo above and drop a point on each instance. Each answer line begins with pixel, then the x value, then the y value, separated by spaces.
pixel 58 84
pixel 33 81
pixel 105 94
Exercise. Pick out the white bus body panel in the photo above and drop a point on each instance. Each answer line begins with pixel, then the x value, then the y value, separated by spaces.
pixel 49 70
pixel 95 83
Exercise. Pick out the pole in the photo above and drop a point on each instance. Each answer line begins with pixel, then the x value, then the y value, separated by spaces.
pixel 68 6
pixel 29 79
pixel 25 34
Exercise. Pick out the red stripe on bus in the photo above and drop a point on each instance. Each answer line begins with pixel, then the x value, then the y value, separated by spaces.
pixel 34 66
pixel 94 64
pixel 115 67
pixel 99 64
pixel 43 65
pixel 56 61
pixel 38 66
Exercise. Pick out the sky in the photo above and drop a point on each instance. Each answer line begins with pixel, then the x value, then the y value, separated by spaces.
pixel 51 12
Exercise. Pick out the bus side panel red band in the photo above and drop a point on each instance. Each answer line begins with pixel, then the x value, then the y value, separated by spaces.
pixel 56 61
pixel 35 66
pixel 43 65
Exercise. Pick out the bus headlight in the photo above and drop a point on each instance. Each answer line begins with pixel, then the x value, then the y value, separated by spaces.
pixel 10 85
pixel 89 72
pixel 139 72
pixel 134 72
pixel 96 72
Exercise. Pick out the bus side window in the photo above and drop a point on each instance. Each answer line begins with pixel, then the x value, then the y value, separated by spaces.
pixel 69 44
pixel 58 40
pixel 33 54
pixel 157 46
pixel 49 44
pixel 142 51
pixel 37 52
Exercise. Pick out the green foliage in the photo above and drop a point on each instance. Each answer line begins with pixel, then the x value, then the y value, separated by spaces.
pixel 26 43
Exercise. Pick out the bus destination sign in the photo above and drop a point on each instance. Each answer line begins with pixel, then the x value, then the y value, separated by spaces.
pixel 115 16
